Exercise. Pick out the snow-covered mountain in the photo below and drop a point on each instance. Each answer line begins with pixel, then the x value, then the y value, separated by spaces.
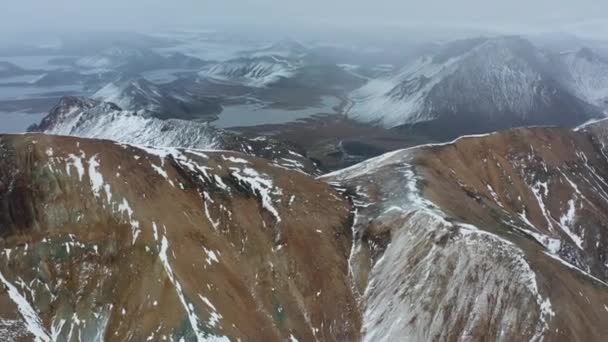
pixel 257 71
pixel 140 94
pixel 585 73
pixel 260 67
pixel 477 84
pixel 88 118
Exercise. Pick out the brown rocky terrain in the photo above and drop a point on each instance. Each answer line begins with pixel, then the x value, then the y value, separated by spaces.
pixel 499 237
pixel 102 241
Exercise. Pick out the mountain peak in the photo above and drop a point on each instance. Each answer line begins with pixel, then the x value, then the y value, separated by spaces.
pixel 486 83
pixel 67 109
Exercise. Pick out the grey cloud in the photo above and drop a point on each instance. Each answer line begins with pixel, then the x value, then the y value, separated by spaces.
pixel 150 14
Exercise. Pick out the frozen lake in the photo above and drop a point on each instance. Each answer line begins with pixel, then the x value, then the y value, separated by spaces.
pixel 254 115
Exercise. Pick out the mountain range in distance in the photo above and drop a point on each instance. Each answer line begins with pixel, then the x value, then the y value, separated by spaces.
pixel 292 191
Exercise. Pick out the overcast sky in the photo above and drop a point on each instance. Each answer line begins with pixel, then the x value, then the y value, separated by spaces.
pixel 16 15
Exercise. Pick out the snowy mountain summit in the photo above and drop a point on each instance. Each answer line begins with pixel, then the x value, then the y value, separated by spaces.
pixel 473 86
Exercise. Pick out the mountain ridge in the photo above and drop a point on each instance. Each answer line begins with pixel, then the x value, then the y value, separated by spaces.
pixel 419 247
pixel 469 213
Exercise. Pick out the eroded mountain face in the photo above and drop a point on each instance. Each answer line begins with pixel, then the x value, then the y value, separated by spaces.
pixel 102 241
pixel 495 237
pixel 499 237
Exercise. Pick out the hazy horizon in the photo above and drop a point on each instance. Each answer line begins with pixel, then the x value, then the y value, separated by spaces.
pixel 585 17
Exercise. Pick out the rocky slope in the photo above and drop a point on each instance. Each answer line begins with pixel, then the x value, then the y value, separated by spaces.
pixel 499 237
pixel 102 241
pixel 492 237
pixel 473 86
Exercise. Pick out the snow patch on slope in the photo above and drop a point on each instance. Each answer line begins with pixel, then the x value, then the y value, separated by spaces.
pixel 261 185
pixel 31 318
pixel 193 318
